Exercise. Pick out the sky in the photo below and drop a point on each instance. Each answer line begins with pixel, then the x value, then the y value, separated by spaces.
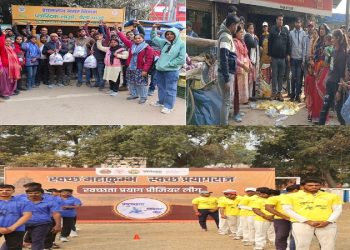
pixel 341 7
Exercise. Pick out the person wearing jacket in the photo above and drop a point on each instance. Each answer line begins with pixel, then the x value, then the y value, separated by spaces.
pixel 43 68
pixel 279 50
pixel 21 58
pixel 54 46
pixel 297 37
pixel 32 54
pixel 67 47
pixel 139 64
pixel 112 72
pixel 226 55
pixel 172 57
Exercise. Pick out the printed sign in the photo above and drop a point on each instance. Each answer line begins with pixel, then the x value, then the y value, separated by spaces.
pixel 106 195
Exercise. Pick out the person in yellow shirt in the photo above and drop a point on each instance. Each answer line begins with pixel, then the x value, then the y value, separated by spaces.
pixel 223 225
pixel 206 205
pixel 246 227
pixel 263 219
pixel 313 212
pixel 229 210
pixel 281 221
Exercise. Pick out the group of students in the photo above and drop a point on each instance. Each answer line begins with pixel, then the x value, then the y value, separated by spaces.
pixel 107 54
pixel 317 58
pixel 288 219
pixel 33 219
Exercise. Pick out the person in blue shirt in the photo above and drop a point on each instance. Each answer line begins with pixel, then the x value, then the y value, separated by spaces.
pixel 13 215
pixel 68 212
pixel 41 223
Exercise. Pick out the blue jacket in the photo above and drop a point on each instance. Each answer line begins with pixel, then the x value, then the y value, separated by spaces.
pixel 32 53
pixel 173 59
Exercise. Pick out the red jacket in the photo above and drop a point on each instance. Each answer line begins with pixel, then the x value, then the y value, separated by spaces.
pixel 3 54
pixel 144 58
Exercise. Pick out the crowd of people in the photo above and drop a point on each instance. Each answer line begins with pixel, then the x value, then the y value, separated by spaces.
pixel 33 219
pixel 108 55
pixel 305 62
pixel 288 219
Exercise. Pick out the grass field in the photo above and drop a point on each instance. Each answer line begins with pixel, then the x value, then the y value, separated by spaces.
pixel 172 236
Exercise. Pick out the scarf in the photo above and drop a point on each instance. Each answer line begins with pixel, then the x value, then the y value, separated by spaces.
pixel 14 67
pixel 135 50
pixel 113 50
pixel 319 48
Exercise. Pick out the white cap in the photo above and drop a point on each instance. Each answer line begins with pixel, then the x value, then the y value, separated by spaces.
pixel 229 191
pixel 265 24
pixel 204 192
pixel 250 189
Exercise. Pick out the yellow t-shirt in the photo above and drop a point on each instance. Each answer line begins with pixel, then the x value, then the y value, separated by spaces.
pixel 260 204
pixel 247 201
pixel 276 201
pixel 231 206
pixel 316 207
pixel 206 202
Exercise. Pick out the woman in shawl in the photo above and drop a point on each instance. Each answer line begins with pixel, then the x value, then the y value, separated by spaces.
pixel 113 65
pixel 139 63
pixel 10 68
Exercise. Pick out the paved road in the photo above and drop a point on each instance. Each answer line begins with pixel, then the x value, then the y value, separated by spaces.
pixel 84 106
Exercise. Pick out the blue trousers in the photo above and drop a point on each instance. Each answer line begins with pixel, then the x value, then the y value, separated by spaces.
pixel 80 66
pixel 296 77
pixel 31 74
pixel 142 91
pixel 167 87
pixel 38 234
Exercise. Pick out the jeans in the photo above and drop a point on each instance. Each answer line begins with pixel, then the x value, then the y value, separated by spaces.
pixel 296 65
pixel 99 77
pixel 88 74
pixel 80 66
pixel 167 87
pixel 278 66
pixel 68 223
pixel 142 91
pixel 328 101
pixel 13 241
pixel 202 219
pixel 345 111
pixel 282 229
pixel 31 73
pixel 38 234
pixel 226 89
pixel 152 85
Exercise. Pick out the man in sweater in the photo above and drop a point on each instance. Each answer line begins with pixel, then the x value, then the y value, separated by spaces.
pixel 279 50
pixel 297 36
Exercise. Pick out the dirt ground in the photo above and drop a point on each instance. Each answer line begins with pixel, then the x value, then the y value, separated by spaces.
pixel 173 236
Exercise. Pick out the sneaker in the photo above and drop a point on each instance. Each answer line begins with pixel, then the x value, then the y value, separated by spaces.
pixel 123 88
pixel 142 101
pixel 60 85
pixel 297 99
pixel 79 84
pixel 50 86
pixel 73 234
pixel 280 97
pixel 132 97
pixel 166 110
pixel 157 104
pixel 150 92
pixel 236 238
pixel 113 93
pixel 109 92
pixel 55 246
pixel 248 243
pixel 64 239
pixel 237 118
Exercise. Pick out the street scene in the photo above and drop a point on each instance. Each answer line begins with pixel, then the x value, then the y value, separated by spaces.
pixel 278 64
pixel 90 63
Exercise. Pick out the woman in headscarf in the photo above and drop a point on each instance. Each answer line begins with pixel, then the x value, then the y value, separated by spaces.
pixel 139 63
pixel 172 57
pixel 10 68
pixel 113 65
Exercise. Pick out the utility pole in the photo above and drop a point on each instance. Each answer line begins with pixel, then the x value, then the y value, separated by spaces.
pixel 347 14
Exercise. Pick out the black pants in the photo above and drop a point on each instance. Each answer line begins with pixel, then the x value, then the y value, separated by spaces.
pixel 204 215
pixel 50 237
pixel 328 101
pixel 68 223
pixel 56 70
pixel 38 234
pixel 282 229
pixel 68 72
pixel 124 75
pixel 43 72
pixel 75 222
pixel 14 240
pixel 114 85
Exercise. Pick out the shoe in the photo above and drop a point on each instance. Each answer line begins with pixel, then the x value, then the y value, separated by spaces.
pixel 248 243
pixel 50 86
pixel 73 234
pixel 150 92
pixel 123 88
pixel 166 110
pixel 88 84
pixel 35 86
pixel 236 238
pixel 64 239
pixel 79 84
pixel 6 97
pixel 280 97
pixel 16 92
pixel 132 97
pixel 237 118
pixel 55 246
pixel 297 99
pixel 101 88
pixel 22 88
pixel 273 97
pixel 109 92
pixel 142 101
pixel 156 104
pixel 60 85
pixel 113 93
pixel 47 248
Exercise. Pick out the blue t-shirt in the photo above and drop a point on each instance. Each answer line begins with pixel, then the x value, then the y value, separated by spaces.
pixel 12 210
pixel 71 201
pixel 42 211
pixel 24 197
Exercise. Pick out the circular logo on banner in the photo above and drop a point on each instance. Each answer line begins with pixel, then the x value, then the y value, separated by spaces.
pixel 141 208
pixel 22 8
